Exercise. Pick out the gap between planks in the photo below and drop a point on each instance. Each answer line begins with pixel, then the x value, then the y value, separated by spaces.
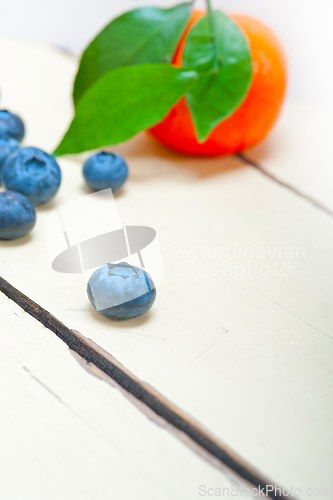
pixel 142 392
pixel 284 184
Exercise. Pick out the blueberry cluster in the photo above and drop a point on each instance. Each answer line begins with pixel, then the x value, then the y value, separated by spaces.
pixel 29 175
pixel 32 177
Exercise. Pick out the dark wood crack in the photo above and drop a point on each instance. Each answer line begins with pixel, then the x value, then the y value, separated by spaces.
pixel 285 185
pixel 123 378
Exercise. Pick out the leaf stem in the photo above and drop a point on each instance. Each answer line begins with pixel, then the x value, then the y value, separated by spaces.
pixel 212 27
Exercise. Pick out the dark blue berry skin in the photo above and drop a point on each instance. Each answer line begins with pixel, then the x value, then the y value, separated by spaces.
pixel 105 170
pixel 11 125
pixel 17 215
pixel 121 291
pixel 33 173
pixel 7 146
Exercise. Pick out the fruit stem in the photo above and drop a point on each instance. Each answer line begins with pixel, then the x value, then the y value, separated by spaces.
pixel 212 28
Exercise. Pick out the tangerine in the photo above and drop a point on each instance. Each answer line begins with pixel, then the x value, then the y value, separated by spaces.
pixel 253 118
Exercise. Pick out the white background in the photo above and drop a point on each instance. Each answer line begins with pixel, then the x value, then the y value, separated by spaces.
pixel 304 27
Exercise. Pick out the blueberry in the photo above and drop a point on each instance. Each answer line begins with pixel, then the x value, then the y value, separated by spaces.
pixel 17 215
pixel 11 125
pixel 121 291
pixel 105 170
pixel 7 146
pixel 33 173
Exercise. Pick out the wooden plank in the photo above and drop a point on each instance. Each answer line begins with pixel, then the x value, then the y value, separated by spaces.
pixel 248 356
pixel 298 152
pixel 35 84
pixel 185 427
pixel 67 433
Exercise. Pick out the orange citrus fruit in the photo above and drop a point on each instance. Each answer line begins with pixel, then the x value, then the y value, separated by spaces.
pixel 253 118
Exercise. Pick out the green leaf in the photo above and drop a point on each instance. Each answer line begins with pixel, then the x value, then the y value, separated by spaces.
pixel 122 103
pixel 225 69
pixel 144 35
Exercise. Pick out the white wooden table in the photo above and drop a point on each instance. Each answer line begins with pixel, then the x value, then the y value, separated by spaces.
pixel 227 382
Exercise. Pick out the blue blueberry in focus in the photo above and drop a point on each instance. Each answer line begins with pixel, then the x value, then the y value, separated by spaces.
pixel 33 173
pixel 7 146
pixel 105 170
pixel 11 125
pixel 121 291
pixel 17 215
